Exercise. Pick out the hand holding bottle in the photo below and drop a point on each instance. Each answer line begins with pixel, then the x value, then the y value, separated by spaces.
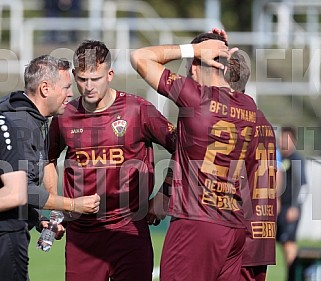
pixel 48 234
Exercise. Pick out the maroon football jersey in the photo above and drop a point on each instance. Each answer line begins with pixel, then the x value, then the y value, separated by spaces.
pixel 214 129
pixel 110 153
pixel 259 196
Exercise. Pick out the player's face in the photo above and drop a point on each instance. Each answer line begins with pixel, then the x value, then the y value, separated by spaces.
pixel 61 92
pixel 93 85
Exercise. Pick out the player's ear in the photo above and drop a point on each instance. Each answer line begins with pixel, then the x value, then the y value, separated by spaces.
pixel 193 67
pixel 44 88
pixel 110 74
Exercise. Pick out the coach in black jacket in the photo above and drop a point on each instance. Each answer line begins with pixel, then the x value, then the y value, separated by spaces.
pixel 47 90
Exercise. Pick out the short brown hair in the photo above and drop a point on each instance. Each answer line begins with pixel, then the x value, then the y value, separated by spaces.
pixel 238 72
pixel 90 54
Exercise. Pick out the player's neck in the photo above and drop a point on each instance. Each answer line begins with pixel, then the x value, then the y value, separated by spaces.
pixel 210 76
pixel 214 80
pixel 103 104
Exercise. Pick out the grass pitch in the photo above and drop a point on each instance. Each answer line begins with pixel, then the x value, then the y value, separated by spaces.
pixel 50 266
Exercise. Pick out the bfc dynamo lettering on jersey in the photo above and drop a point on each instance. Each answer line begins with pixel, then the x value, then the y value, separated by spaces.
pixel 214 130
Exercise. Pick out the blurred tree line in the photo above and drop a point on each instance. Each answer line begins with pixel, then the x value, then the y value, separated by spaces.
pixel 235 14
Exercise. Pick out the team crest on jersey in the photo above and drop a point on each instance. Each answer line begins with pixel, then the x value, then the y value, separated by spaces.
pixel 119 127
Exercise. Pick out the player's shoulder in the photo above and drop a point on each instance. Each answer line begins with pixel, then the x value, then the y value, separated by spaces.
pixel 248 98
pixel 132 99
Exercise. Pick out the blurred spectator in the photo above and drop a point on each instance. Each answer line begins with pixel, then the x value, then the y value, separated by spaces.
pixel 62 8
pixel 291 199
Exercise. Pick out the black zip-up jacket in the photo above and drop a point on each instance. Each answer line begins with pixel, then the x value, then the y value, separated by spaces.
pixel 33 128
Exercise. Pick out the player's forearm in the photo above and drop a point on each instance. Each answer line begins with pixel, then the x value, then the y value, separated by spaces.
pixel 10 199
pixel 59 203
pixel 50 180
pixel 14 190
pixel 159 54
pixel 149 61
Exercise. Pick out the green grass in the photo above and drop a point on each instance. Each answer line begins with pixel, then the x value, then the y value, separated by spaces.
pixel 50 266
pixel 278 272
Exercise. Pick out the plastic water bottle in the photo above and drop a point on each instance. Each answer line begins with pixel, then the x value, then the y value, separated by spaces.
pixel 47 235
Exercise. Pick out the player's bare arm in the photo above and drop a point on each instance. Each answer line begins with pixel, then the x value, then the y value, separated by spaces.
pixel 158 205
pixel 83 205
pixel 149 61
pixel 14 190
pixel 158 208
pixel 50 179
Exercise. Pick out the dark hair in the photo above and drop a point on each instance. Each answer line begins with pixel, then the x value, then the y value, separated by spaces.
pixel 238 72
pixel 44 67
pixel 90 54
pixel 207 36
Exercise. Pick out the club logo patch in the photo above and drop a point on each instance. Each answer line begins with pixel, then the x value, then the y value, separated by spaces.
pixel 119 127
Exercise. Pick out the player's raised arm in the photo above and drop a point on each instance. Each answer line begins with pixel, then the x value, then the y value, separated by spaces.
pixel 149 61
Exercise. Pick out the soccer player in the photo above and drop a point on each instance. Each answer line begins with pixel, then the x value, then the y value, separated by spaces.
pixel 258 186
pixel 13 193
pixel 259 201
pixel 215 126
pixel 109 136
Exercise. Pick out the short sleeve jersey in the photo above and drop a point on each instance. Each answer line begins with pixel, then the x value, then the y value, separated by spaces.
pixel 214 129
pixel 110 153
pixel 259 196
pixel 9 162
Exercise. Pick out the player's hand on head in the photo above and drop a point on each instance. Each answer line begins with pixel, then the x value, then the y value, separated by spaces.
pixel 208 50
pixel 220 32
pixel 87 204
